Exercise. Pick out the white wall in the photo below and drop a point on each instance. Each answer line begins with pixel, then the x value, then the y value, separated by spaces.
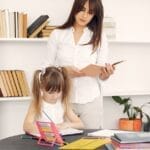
pixel 132 18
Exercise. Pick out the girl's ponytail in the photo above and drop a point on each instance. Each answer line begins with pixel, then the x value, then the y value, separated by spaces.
pixel 36 90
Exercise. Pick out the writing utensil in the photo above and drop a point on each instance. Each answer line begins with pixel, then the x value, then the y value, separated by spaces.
pixel 118 62
pixel 47 115
pixel 28 137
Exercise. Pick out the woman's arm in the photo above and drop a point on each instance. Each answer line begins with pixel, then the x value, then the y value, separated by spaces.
pixel 74 72
pixel 73 121
pixel 29 122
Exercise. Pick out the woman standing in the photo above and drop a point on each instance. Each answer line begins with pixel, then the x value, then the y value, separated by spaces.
pixel 79 43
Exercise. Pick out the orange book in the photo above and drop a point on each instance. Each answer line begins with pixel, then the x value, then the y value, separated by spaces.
pixel 5 83
pixel 25 83
pixel 12 82
pixel 21 82
pixel 25 23
pixel 16 82
pixel 2 87
pixel 8 83
pixel 20 23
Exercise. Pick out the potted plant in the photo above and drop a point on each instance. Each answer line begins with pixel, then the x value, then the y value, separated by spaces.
pixel 135 115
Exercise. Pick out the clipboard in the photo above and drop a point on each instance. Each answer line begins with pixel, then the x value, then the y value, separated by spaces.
pixel 49 134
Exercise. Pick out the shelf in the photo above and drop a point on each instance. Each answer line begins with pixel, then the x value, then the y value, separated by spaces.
pixel 117 41
pixel 127 93
pixel 23 39
pixel 14 99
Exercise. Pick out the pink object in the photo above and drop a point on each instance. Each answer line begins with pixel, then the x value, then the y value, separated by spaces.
pixel 49 134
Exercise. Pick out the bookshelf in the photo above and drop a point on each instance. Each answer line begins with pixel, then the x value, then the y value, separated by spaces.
pixel 23 39
pixel 18 99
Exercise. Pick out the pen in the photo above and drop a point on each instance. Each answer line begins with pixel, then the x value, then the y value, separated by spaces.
pixel 47 115
pixel 118 62
pixel 27 137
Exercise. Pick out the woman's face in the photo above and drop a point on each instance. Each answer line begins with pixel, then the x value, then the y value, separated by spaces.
pixel 83 17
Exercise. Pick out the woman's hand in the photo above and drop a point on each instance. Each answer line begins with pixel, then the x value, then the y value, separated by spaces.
pixel 106 71
pixel 74 72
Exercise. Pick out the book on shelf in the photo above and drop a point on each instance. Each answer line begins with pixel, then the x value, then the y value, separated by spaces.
pixel 22 83
pixel 49 27
pixel 46 31
pixel 36 24
pixel 16 82
pixel 5 83
pixel 13 24
pixel 25 83
pixel 8 83
pixel 3 92
pixel 13 83
pixel 25 23
pixel 35 33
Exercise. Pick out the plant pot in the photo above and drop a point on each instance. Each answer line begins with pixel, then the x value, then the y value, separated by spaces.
pixel 130 125
pixel 146 126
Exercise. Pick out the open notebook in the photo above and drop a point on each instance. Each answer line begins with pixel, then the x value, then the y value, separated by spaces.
pixel 63 132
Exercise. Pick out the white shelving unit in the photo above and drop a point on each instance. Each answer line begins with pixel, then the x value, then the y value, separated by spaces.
pixel 19 99
pixel 23 39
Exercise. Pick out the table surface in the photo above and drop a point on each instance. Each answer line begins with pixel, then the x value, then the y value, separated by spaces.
pixel 18 143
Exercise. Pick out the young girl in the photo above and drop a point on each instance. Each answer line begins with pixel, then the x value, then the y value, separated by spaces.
pixel 50 90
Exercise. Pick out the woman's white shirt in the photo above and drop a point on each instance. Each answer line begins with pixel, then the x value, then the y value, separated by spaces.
pixel 54 111
pixel 63 51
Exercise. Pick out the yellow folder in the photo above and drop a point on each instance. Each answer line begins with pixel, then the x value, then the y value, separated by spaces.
pixel 86 144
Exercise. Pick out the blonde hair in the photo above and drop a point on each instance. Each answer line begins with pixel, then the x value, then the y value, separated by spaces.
pixel 52 79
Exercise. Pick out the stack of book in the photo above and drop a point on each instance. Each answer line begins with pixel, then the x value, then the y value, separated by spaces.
pixel 46 31
pixel 37 26
pixel 13 83
pixel 134 141
pixel 109 26
pixel 13 24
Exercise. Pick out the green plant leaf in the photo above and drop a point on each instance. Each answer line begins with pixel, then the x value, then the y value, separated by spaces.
pixel 117 99
pixel 125 100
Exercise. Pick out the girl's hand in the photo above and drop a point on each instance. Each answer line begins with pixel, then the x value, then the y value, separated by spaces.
pixel 74 72
pixel 106 71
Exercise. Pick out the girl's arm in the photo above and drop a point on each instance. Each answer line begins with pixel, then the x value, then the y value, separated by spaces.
pixel 73 121
pixel 29 125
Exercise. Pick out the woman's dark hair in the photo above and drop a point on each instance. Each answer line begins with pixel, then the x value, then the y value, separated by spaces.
pixel 95 25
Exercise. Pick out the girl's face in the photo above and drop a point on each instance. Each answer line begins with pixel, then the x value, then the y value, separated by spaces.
pixel 83 17
pixel 51 97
